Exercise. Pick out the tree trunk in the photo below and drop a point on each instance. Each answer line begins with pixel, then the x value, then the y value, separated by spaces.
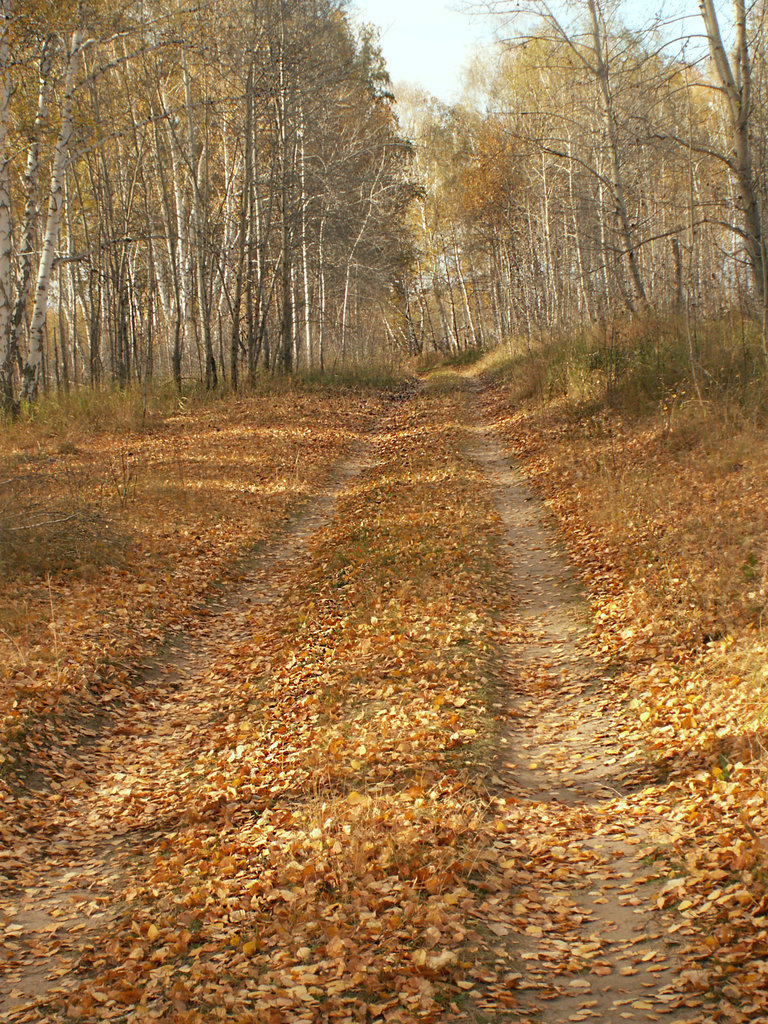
pixel 602 73
pixel 198 168
pixel 33 366
pixel 736 84
pixel 6 240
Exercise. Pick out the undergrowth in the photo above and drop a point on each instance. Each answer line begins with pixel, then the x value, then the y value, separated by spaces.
pixel 115 409
pixel 641 366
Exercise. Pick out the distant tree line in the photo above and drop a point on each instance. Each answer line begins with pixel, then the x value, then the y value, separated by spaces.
pixel 592 169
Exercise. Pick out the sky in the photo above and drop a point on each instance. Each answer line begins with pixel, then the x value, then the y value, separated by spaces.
pixel 425 42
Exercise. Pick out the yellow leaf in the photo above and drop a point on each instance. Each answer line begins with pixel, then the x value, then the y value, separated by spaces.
pixel 438 961
pixel 152 933
pixel 354 797
pixel 249 948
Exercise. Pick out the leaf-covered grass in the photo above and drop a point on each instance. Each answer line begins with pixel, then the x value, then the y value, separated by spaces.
pixel 317 855
pixel 112 534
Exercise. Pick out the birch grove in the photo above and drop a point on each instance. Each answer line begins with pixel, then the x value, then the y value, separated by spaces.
pixel 593 171
pixel 205 191
pixel 185 191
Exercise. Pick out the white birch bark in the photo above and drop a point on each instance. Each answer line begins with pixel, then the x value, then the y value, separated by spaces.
pixel 463 288
pixel 304 246
pixel 34 362
pixel 197 169
pixel 322 311
pixel 5 193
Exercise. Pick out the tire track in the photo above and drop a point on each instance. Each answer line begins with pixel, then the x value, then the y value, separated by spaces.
pixel 591 946
pixel 82 850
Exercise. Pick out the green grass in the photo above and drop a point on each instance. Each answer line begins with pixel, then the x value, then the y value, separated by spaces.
pixel 467 357
pixel 443 382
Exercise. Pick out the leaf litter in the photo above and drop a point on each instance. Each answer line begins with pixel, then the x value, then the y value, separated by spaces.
pixel 657 530
pixel 401 786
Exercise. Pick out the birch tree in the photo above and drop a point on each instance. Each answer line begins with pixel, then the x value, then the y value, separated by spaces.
pixel 31 212
pixel 734 79
pixel 176 181
pixel 6 241
pixel 33 367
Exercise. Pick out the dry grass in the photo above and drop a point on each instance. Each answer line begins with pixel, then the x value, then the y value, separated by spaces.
pixel 641 365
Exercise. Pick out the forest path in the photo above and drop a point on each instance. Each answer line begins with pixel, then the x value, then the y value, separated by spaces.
pixel 311 816
pixel 88 836
pixel 590 947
